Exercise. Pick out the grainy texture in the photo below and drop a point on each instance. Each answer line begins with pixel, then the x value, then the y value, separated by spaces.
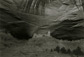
pixel 41 28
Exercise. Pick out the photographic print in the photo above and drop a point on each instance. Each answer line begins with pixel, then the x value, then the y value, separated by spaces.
pixel 41 28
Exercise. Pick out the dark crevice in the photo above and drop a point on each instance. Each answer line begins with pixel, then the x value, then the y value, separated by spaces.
pixel 19 31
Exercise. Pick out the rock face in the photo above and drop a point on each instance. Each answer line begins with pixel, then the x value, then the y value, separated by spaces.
pixel 41 32
pixel 41 35
pixel 69 30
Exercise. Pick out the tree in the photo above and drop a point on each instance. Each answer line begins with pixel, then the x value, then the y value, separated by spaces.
pixel 78 52
pixel 51 50
pixel 57 49
pixel 68 51
pixel 63 50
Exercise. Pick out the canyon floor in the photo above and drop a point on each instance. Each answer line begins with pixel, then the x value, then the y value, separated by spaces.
pixel 36 47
